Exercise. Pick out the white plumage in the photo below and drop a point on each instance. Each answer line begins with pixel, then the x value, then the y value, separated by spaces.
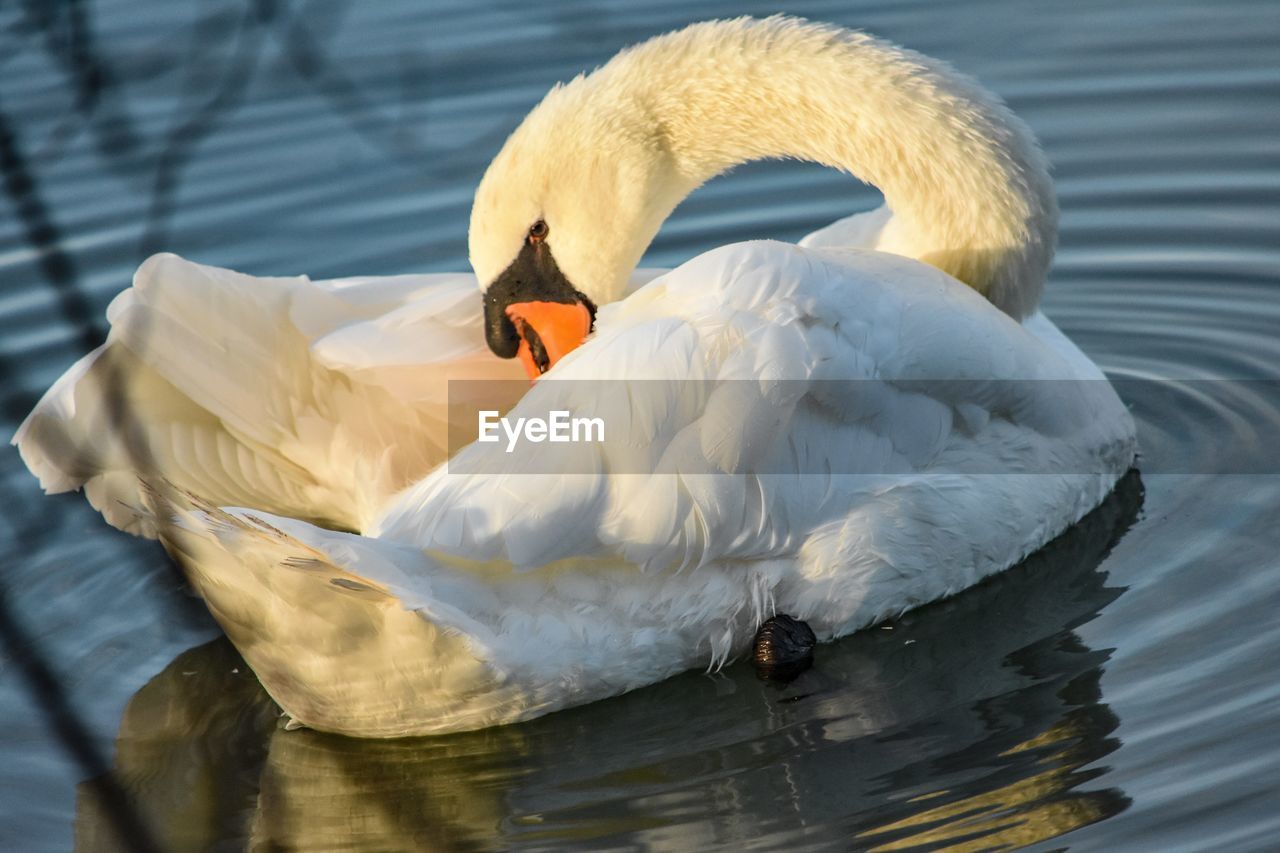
pixel 865 434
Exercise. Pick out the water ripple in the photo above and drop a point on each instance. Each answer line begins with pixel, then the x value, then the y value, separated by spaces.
pixel 1119 686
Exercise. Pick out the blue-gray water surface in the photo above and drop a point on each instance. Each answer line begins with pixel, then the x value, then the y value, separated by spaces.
pixel 1118 691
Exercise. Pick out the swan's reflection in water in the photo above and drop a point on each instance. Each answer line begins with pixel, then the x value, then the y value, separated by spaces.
pixel 967 724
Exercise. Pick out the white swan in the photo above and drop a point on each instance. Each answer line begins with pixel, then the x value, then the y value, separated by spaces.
pixel 470 600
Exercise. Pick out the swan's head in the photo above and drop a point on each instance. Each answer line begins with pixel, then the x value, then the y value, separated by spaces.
pixel 562 216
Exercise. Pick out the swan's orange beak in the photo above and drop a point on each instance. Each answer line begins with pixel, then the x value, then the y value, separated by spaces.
pixel 548 332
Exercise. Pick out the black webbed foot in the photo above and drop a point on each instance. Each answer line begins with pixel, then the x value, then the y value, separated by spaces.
pixel 783 648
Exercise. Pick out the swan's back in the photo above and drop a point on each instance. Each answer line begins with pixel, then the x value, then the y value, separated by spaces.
pixel 859 416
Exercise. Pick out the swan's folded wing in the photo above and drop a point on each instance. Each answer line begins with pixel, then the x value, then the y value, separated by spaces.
pixel 310 399
pixel 753 396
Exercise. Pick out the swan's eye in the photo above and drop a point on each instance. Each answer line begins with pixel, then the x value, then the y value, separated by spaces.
pixel 538 232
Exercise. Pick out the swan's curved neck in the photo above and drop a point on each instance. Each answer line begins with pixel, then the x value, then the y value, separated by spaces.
pixel 965 179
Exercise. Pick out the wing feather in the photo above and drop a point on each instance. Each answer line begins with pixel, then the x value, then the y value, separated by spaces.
pixel 310 399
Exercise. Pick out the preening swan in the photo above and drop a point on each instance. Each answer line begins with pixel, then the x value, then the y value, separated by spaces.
pixel 843 430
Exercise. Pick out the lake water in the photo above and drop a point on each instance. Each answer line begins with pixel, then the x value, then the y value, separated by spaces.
pixel 1118 691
